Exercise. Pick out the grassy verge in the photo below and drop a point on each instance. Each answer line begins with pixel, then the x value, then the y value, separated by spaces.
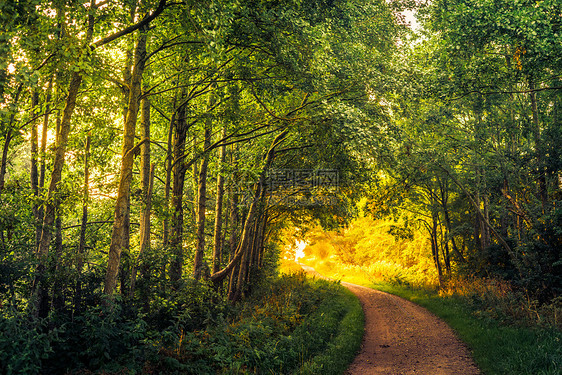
pixel 347 327
pixel 498 348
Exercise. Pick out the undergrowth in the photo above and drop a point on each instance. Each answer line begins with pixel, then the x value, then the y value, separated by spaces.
pixel 290 325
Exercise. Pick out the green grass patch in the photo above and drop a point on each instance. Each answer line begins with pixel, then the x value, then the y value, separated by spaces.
pixel 345 317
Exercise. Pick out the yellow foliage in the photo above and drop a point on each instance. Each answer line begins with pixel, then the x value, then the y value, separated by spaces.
pixel 366 246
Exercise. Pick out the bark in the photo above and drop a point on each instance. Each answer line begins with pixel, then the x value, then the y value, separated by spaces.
pixel 126 172
pixel 198 263
pixel 169 160
pixel 456 250
pixel 179 171
pixel 34 171
pixel 233 239
pixel 435 248
pixel 479 212
pixel 217 238
pixel 4 162
pixel 253 265
pixel 83 226
pixel 245 264
pixel 261 241
pixel 44 134
pixel 58 296
pixel 147 178
pixel 445 203
pixel 39 288
pixel 242 247
pixel 487 240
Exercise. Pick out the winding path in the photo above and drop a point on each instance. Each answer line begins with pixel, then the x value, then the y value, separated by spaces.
pixel 404 338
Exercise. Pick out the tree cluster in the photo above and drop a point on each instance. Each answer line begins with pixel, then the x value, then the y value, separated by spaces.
pixel 138 136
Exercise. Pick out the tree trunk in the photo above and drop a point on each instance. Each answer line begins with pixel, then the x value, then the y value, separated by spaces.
pixel 217 242
pixel 233 238
pixel 126 173
pixel 39 288
pixel 8 138
pixel 198 263
pixel 4 162
pixel 44 135
pixel 34 171
pixel 58 296
pixel 83 226
pixel 245 237
pixel 435 248
pixel 147 177
pixel 179 171
pixel 169 163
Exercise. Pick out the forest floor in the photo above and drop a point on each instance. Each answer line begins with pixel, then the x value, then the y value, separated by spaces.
pixel 404 338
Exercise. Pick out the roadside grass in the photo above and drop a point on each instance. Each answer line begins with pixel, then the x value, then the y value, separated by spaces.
pixel 340 316
pixel 291 325
pixel 343 316
pixel 499 346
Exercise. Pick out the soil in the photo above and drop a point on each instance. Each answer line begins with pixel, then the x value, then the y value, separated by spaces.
pixel 404 338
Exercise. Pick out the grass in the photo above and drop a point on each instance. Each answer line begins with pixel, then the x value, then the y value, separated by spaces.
pixel 342 317
pixel 498 348
pixel 346 340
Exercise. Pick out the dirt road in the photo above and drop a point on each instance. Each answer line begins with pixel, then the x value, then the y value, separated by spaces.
pixel 404 338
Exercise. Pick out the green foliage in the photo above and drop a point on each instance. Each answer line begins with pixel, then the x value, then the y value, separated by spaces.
pixel 289 323
pixel 24 343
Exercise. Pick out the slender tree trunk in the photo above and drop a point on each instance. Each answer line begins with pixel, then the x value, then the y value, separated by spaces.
pixel 179 171
pixel 198 263
pixel 486 237
pixel 83 226
pixel 58 295
pixel 435 248
pixel 250 217
pixel 217 242
pixel 261 241
pixel 4 162
pixel 126 173
pixel 44 136
pixel 147 177
pixel 246 263
pixel 39 287
pixel 233 239
pixel 34 172
pixel 43 156
pixel 8 138
pixel 169 162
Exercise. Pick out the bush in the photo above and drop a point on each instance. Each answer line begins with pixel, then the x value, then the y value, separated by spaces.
pixel 24 343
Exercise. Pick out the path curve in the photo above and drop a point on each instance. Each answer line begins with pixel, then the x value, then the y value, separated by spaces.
pixel 404 338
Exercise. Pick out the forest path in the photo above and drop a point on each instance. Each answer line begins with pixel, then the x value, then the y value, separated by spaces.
pixel 404 338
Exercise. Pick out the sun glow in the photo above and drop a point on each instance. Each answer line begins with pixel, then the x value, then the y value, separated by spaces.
pixel 299 249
